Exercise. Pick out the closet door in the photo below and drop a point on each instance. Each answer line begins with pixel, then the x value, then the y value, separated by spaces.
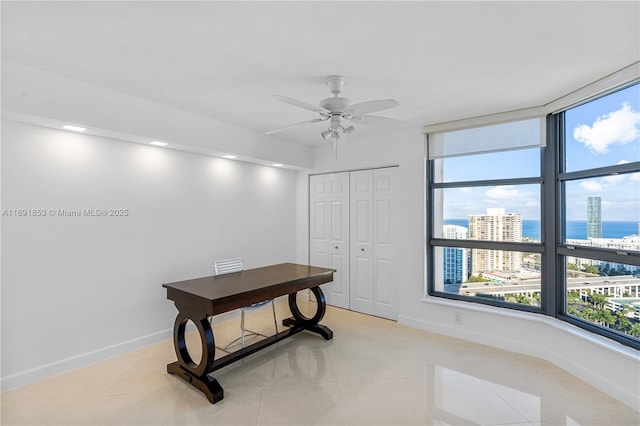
pixel 361 283
pixel 385 299
pixel 372 288
pixel 329 232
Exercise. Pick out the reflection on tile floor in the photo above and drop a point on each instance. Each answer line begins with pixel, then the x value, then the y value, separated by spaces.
pixel 374 372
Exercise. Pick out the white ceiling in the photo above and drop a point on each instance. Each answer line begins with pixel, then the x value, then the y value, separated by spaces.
pixel 441 60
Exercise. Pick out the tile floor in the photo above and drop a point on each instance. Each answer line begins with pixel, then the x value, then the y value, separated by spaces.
pixel 374 372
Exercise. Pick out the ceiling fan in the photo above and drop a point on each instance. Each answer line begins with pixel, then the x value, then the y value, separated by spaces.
pixel 337 110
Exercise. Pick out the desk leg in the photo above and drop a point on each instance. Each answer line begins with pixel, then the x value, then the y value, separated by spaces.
pixel 185 368
pixel 205 384
pixel 310 324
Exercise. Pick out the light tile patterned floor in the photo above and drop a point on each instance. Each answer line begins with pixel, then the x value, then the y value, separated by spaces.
pixel 374 372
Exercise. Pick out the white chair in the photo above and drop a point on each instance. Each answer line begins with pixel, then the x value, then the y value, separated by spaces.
pixel 228 266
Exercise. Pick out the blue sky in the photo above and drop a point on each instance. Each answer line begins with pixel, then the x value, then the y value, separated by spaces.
pixel 599 133
pixel 604 132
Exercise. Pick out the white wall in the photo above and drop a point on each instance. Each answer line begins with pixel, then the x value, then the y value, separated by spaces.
pixel 43 98
pixel 605 364
pixel 78 289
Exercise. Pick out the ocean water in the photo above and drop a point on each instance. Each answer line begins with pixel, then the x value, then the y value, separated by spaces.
pixel 576 229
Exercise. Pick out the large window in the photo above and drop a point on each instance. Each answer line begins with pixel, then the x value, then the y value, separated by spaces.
pixel 542 221
pixel 486 209
pixel 599 186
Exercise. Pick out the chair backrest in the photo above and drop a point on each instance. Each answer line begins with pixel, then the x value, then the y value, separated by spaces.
pixel 227 266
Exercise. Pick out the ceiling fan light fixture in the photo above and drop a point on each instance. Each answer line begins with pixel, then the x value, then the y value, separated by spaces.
pixel 327 134
pixel 349 129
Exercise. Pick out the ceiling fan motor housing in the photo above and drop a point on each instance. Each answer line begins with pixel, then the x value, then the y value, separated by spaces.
pixel 335 83
pixel 335 105
pixel 336 122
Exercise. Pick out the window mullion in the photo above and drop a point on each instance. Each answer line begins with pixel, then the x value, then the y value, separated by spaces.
pixel 552 290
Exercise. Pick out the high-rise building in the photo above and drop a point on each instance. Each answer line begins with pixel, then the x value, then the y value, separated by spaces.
pixel 456 265
pixel 496 225
pixel 594 220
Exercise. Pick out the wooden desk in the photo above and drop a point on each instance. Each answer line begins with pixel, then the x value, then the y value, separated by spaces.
pixel 200 298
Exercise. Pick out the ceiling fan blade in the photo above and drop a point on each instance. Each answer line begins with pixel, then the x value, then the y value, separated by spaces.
pixel 371 106
pixel 301 104
pixel 315 120
pixel 375 121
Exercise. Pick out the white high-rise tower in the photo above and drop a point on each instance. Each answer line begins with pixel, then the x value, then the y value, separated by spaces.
pixel 496 225
pixel 594 220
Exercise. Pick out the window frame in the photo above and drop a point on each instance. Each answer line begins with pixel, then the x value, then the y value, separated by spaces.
pixel 562 250
pixel 433 242
pixel 552 247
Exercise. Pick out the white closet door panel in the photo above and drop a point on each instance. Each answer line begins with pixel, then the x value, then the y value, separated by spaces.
pixel 362 288
pixel 319 186
pixel 385 289
pixel 339 289
pixel 320 258
pixel 362 295
pixel 362 223
pixel 384 217
pixel 319 224
pixel 339 243
pixel 319 221
pixel 383 283
pixel 329 232
pixel 339 222
pixel 319 233
pixel 339 183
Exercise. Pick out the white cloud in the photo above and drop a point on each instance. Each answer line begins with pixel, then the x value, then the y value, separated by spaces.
pixel 591 185
pixel 617 127
pixel 503 192
pixel 635 177
pixel 613 179
pixel 465 189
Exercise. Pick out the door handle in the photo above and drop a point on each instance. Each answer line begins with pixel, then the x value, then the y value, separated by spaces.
pixel 362 249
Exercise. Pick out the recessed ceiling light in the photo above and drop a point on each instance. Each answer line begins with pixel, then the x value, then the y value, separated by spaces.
pixel 230 157
pixel 158 143
pixel 74 128
pixel 277 165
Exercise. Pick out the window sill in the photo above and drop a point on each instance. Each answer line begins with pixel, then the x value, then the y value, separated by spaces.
pixel 601 341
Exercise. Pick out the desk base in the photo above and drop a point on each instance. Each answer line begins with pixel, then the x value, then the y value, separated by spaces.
pixel 205 384
pixel 210 387
pixel 295 328
pixel 320 329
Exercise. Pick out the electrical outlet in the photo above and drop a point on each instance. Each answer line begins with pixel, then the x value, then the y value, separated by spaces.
pixel 458 318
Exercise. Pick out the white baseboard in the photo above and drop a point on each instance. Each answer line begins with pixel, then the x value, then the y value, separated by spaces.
pixel 55 368
pixel 81 360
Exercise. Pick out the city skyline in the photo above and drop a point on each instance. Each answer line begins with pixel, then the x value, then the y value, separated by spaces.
pixel 499 225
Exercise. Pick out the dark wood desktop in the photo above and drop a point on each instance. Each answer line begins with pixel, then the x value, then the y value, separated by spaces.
pixel 200 298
